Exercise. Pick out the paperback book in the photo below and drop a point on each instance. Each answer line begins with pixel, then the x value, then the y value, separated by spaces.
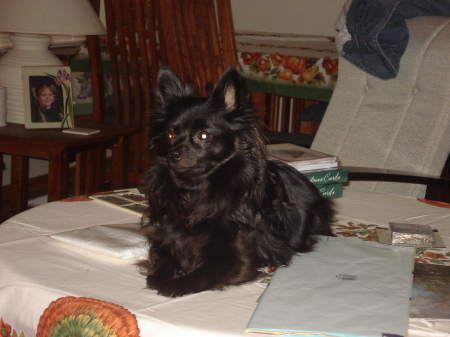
pixel 331 190
pixel 301 158
pixel 329 176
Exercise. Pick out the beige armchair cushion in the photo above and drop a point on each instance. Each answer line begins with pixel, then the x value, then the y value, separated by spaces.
pixel 402 123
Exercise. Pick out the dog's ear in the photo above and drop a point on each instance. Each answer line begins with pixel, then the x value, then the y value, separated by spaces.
pixel 170 86
pixel 229 90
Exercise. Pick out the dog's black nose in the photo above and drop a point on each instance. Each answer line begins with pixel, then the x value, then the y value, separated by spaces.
pixel 176 156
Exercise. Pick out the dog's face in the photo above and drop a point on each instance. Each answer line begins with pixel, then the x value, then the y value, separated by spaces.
pixel 197 135
pixel 197 139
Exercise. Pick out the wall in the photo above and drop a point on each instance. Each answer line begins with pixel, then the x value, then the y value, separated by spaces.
pixel 309 17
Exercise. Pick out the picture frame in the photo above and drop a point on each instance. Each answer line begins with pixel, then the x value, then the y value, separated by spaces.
pixel 48 101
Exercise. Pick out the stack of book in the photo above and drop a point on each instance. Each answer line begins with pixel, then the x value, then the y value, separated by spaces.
pixel 320 168
pixel 329 182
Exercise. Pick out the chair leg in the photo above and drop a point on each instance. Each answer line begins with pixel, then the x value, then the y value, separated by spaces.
pixel 119 167
pixel 58 175
pixel 91 172
pixel 80 174
pixel 99 182
pixel 19 180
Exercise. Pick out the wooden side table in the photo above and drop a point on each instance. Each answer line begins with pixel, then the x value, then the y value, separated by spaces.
pixel 56 147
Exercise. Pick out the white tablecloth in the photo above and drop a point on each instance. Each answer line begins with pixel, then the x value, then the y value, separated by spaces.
pixel 36 269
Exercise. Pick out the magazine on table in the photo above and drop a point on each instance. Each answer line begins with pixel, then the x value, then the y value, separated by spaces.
pixel 301 158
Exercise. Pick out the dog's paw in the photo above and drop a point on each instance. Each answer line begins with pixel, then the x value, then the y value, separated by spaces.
pixel 155 281
pixel 170 292
pixel 183 285
pixel 173 288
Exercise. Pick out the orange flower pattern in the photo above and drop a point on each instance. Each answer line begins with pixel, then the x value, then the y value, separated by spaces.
pixel 7 331
pixel 361 231
pixel 435 203
pixel 295 70
pixel 435 256
pixel 80 316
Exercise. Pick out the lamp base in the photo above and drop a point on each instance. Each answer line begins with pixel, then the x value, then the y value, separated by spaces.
pixel 28 50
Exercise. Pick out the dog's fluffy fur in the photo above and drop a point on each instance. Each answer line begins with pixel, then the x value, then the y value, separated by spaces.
pixel 218 210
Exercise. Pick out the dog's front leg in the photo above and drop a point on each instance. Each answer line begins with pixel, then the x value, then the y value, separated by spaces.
pixel 160 268
pixel 201 279
pixel 221 268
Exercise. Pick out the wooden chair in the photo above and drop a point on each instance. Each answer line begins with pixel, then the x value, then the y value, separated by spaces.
pixel 131 45
pixel 196 39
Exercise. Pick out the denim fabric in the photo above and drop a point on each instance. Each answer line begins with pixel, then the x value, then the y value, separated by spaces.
pixel 379 34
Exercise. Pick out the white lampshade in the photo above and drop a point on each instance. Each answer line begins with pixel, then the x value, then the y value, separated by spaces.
pixel 50 17
pixel 30 23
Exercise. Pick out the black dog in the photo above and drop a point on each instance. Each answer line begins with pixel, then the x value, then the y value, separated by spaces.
pixel 218 210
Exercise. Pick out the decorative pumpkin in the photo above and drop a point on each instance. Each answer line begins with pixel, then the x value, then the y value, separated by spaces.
pixel 285 75
pixel 296 64
pixel 309 75
pixel 277 59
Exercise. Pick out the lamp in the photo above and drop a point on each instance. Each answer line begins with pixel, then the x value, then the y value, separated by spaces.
pixel 31 23
pixel 5 43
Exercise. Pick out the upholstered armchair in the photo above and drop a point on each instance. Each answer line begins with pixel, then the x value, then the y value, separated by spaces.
pixel 401 124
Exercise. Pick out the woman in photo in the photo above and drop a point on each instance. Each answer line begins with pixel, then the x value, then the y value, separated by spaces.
pixel 46 108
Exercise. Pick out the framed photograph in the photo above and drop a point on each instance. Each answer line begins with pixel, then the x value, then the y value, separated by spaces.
pixel 47 95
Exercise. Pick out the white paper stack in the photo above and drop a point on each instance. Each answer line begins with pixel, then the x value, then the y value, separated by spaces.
pixel 301 158
pixel 122 240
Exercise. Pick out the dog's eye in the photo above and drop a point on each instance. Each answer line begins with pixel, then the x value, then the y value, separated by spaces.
pixel 204 135
pixel 170 135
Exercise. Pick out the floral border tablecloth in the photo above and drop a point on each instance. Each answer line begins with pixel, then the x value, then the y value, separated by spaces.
pixel 98 316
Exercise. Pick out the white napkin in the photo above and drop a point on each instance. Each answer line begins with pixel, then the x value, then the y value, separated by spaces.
pixel 123 240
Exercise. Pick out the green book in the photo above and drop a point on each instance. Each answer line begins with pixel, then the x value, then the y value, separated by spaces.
pixel 331 190
pixel 321 177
